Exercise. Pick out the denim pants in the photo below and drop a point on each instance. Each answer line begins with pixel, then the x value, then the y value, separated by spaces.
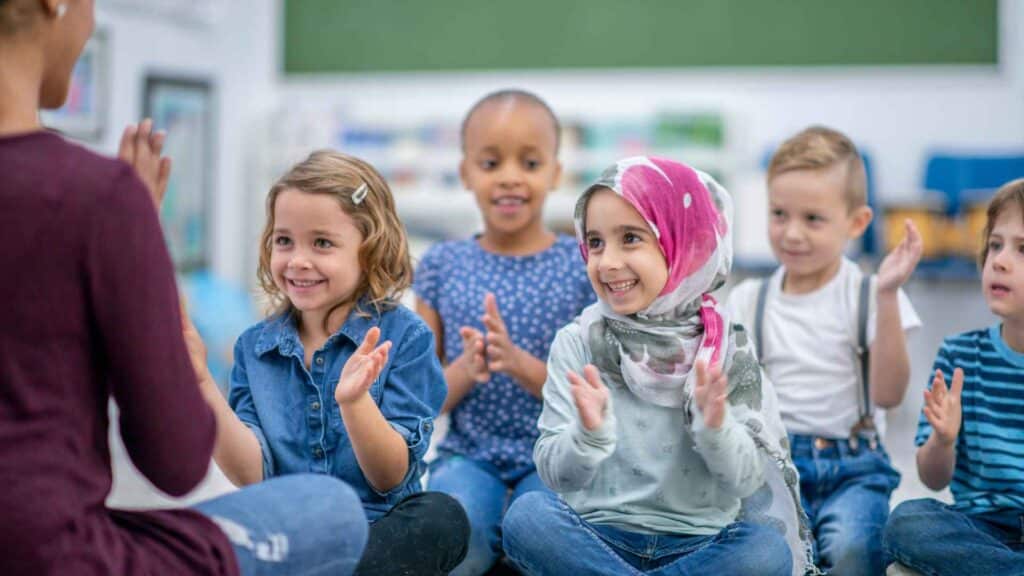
pixel 934 539
pixel 426 534
pixel 543 536
pixel 845 493
pixel 302 525
pixel 485 496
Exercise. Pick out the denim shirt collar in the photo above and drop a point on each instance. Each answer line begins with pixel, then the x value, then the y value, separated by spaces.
pixel 281 332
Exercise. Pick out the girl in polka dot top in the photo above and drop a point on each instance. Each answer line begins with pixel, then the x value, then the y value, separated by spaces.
pixel 495 302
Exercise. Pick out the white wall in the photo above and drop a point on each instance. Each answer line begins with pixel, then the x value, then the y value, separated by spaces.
pixel 898 114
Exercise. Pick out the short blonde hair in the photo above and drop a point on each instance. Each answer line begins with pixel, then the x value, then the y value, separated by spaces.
pixel 1011 193
pixel 820 148
pixel 384 254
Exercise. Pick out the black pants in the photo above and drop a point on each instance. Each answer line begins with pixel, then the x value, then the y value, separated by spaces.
pixel 425 534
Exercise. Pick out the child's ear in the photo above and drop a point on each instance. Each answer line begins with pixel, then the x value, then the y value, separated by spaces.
pixel 859 220
pixel 462 173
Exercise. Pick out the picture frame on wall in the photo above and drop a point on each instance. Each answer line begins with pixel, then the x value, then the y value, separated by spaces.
pixel 84 114
pixel 184 108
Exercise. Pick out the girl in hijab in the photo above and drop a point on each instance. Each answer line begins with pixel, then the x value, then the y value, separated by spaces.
pixel 659 433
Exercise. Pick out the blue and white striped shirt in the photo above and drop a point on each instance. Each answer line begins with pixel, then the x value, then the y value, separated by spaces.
pixel 989 472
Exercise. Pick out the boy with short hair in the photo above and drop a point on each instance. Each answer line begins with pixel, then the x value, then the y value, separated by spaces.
pixel 971 436
pixel 810 331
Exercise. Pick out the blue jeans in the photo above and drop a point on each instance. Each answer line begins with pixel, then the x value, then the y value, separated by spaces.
pixel 303 524
pixel 485 496
pixel 934 539
pixel 544 536
pixel 845 493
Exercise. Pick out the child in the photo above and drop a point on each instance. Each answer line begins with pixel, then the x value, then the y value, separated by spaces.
pixel 89 293
pixel 341 379
pixel 808 336
pixel 651 451
pixel 971 437
pixel 495 301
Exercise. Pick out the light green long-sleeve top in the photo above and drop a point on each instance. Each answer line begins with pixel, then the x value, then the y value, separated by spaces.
pixel 641 470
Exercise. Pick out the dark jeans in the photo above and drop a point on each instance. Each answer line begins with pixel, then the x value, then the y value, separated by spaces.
pixel 936 540
pixel 425 534
pixel 845 493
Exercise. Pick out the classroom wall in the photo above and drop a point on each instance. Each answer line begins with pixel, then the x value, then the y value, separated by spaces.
pixel 236 51
pixel 897 114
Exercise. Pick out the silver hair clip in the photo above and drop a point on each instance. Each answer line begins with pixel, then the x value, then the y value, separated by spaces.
pixel 360 194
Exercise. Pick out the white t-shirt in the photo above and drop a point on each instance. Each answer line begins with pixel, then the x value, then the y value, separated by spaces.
pixel 809 349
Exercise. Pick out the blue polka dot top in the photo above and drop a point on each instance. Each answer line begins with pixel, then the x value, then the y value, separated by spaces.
pixel 537 294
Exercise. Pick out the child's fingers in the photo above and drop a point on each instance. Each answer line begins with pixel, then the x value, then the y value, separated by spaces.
pixel 938 386
pixel 491 307
pixel 369 341
pixel 575 379
pixel 702 374
pixel 958 382
pixel 593 377
pixel 932 416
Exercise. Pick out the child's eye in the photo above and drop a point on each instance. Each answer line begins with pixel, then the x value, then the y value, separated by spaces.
pixel 594 243
pixel 532 164
pixel 778 214
pixel 631 238
pixel 322 243
pixel 814 218
pixel 994 245
pixel 488 164
pixel 282 241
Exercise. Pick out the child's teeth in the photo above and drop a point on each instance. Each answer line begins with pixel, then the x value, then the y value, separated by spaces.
pixel 621 286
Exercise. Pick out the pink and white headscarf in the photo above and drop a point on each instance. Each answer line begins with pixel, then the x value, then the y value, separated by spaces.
pixel 689 214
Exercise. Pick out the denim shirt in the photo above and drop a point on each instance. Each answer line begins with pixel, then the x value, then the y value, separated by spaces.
pixel 292 411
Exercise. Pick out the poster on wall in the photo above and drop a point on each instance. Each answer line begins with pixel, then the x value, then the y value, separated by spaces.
pixel 83 116
pixel 184 108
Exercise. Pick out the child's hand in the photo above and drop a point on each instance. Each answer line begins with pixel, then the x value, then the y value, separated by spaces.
pixel 590 395
pixel 194 344
pixel 362 368
pixel 473 354
pixel 141 148
pixel 502 354
pixel 899 264
pixel 942 407
pixel 710 394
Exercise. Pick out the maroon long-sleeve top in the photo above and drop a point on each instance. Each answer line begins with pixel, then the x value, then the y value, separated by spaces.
pixel 89 311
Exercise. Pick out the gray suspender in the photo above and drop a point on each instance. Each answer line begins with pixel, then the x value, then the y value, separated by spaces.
pixel 865 425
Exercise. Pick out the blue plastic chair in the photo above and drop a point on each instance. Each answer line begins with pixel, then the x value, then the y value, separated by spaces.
pixel 960 177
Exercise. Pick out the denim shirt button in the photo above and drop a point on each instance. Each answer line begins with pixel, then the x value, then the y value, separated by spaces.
pixel 318 453
pixel 319 360
pixel 314 406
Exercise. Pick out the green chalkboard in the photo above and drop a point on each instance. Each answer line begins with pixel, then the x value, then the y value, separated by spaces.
pixel 325 36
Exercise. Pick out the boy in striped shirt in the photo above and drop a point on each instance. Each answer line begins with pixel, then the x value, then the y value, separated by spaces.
pixel 971 435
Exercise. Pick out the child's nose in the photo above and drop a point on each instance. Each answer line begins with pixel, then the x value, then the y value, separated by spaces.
pixel 510 174
pixel 299 262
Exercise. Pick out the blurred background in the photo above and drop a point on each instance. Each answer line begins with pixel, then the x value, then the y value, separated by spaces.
pixel 931 90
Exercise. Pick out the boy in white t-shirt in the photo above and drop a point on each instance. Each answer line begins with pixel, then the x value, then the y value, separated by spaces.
pixel 807 338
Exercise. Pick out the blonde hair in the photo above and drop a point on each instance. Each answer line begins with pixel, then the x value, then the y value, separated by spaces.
pixel 383 255
pixel 820 148
pixel 1011 193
